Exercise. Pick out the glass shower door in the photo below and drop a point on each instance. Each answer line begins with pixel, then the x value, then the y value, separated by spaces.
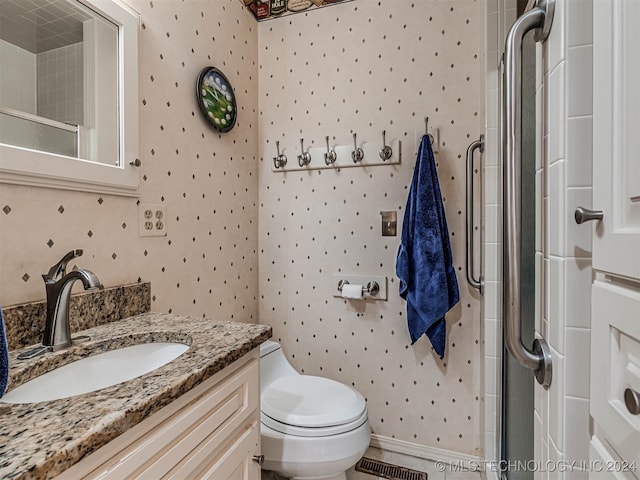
pixel 517 381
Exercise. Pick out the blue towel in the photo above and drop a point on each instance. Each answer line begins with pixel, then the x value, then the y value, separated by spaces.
pixel 424 265
pixel 4 358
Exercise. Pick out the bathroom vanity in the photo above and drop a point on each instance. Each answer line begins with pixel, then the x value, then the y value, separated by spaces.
pixel 197 416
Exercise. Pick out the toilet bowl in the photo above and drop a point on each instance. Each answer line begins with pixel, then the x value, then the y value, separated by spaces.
pixel 311 427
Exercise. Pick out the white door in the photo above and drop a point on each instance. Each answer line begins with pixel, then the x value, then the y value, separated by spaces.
pixel 615 334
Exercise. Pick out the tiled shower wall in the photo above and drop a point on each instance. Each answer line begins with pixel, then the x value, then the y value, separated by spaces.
pixel 17 89
pixel 48 84
pixel 565 93
pixel 364 67
pixel 60 84
pixel 17 78
pixel 207 264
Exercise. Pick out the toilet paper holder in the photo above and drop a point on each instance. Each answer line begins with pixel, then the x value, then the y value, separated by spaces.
pixel 372 287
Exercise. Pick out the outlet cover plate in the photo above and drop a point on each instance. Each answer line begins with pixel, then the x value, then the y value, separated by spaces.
pixel 152 220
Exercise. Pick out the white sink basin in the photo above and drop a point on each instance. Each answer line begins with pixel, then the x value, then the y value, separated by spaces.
pixel 96 372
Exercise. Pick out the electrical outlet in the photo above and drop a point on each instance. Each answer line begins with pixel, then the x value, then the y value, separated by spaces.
pixel 152 220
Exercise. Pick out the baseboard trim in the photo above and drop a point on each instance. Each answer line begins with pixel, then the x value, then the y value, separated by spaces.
pixel 424 451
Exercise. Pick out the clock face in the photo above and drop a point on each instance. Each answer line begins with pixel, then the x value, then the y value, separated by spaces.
pixel 216 99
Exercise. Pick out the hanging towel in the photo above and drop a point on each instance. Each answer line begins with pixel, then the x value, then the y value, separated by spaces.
pixel 424 264
pixel 4 357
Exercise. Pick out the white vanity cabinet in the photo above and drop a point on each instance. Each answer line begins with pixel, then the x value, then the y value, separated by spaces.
pixel 212 432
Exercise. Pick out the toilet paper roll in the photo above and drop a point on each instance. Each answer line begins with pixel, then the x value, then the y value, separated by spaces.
pixel 352 290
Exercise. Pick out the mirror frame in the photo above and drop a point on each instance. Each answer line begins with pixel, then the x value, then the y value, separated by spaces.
pixel 21 166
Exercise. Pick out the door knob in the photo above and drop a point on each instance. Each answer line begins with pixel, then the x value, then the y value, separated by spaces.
pixel 585 215
pixel 632 401
pixel 259 459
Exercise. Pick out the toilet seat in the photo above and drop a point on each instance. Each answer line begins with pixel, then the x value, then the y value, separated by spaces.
pixel 305 405
pixel 293 430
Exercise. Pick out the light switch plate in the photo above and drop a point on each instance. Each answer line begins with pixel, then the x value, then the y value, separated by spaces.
pixel 389 223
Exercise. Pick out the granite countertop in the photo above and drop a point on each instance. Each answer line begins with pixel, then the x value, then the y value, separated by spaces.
pixel 41 440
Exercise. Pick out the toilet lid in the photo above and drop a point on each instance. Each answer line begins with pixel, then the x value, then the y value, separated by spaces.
pixel 308 401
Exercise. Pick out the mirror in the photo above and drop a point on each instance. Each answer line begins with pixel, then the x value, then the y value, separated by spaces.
pixel 68 94
pixel 52 86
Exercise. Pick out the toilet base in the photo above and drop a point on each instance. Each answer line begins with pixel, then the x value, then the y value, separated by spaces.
pixel 313 458
pixel 339 476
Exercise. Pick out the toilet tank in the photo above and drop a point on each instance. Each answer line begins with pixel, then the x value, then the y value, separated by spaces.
pixel 273 363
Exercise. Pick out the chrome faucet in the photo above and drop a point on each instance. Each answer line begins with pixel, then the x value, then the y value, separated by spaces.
pixel 58 284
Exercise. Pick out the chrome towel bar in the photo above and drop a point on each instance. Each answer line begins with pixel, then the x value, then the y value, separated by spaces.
pixel 476 283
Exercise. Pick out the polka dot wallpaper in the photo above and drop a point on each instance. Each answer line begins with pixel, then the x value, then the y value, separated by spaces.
pixel 364 67
pixel 249 244
pixel 208 182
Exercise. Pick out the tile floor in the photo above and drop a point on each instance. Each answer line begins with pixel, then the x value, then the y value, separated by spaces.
pixel 407 461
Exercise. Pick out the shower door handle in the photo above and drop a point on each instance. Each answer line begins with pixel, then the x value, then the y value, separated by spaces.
pixel 473 281
pixel 538 359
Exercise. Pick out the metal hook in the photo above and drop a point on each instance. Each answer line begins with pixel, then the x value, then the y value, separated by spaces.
pixel 304 158
pixel 426 129
pixel 279 161
pixel 357 155
pixel 385 152
pixel 330 156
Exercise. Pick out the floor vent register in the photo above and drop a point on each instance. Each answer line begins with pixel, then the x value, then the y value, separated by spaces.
pixel 387 470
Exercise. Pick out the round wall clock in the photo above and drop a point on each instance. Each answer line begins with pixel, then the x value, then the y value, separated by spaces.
pixel 216 99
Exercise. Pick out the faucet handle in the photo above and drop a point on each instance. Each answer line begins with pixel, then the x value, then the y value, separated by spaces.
pixel 59 269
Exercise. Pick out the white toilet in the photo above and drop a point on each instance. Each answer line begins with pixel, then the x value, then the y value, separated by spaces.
pixel 311 427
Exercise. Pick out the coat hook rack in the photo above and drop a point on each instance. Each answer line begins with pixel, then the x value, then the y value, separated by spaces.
pixel 357 154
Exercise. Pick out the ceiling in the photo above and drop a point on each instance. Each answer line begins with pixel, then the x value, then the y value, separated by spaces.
pixel 42 25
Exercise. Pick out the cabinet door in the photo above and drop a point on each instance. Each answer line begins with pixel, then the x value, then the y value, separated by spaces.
pixel 616 123
pixel 237 461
